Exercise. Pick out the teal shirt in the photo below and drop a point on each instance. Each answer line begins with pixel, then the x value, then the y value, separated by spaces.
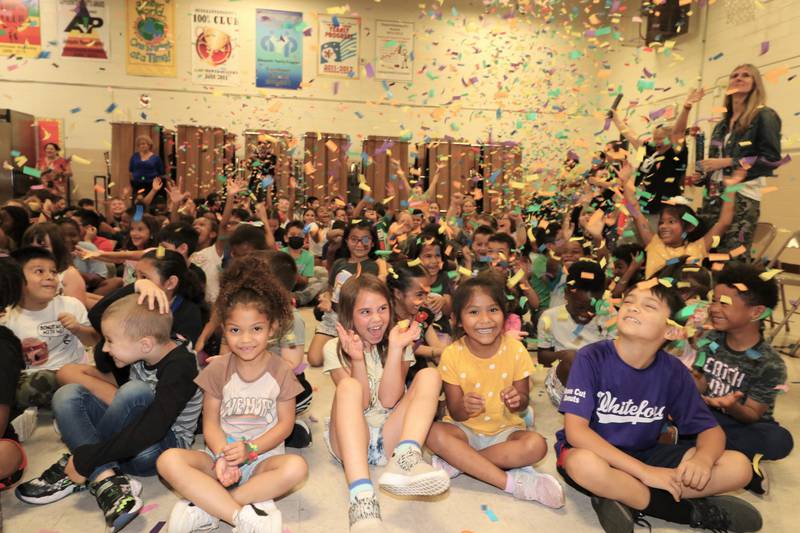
pixel 305 263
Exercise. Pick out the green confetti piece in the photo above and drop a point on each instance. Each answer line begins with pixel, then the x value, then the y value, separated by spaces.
pixel 452 274
pixel 691 219
pixel 701 360
pixel 605 30
pixel 33 172
pixel 686 312
pixel 522 301
pixel 383 252
pixel 767 312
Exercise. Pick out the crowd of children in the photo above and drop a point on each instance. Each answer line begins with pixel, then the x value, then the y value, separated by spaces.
pixel 430 325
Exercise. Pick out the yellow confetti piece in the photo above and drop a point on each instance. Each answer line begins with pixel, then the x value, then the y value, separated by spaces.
pixel 546 322
pixel 756 462
pixel 161 252
pixel 415 262
pixel 726 299
pixel 364 187
pixel 715 241
pixel 330 145
pixel 387 200
pixel 515 279
pixel 464 271
pixel 78 159
pixel 403 324
pixel 665 282
pixel 769 274
pixel 741 287
pixel 309 168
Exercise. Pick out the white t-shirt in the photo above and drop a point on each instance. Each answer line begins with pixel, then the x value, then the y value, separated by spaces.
pixel 316 247
pixel 375 413
pixel 211 264
pixel 46 344
pixel 558 331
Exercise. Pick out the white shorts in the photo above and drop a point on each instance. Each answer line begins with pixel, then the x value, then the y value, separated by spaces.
pixel 479 442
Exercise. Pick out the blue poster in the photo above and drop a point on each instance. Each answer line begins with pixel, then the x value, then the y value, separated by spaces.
pixel 279 49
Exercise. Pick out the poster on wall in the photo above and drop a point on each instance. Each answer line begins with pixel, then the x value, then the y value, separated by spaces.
pixel 48 130
pixel 20 28
pixel 151 38
pixel 84 27
pixel 215 46
pixel 339 46
pixel 394 50
pixel 279 49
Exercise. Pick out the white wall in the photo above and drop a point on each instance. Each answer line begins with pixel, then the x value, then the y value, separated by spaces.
pixel 523 58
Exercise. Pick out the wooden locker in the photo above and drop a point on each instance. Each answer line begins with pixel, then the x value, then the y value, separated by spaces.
pixel 123 145
pixel 283 145
pixel 325 164
pixel 385 168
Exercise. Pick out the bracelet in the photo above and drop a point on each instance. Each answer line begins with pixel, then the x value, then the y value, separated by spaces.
pixel 252 451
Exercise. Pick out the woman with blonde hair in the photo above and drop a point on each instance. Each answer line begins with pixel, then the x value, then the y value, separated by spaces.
pixel 745 147
pixel 145 166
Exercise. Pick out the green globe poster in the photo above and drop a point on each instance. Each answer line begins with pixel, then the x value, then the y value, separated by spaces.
pixel 151 38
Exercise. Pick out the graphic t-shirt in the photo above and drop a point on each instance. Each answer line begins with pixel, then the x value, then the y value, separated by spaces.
pixel 342 270
pixel 659 253
pixel 46 344
pixel 627 406
pixel 248 409
pixel 487 377
pixel 558 331
pixel 757 372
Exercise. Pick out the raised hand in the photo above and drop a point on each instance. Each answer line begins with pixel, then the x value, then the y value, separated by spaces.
pixel 350 342
pixel 403 336
pixel 236 185
pixel 695 96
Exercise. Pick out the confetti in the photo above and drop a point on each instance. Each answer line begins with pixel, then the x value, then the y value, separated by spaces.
pixel 158 527
pixel 489 513
pixel 147 508
pixel 764 47
pixel 769 274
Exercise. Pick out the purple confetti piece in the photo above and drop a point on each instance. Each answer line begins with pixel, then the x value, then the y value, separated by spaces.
pixel 764 48
pixel 370 70
pixel 657 113
pixel 607 124
pixel 158 527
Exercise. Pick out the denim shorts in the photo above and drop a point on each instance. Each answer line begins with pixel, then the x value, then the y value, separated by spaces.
pixel 376 454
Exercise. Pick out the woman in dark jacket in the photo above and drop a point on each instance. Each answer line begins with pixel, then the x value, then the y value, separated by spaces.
pixel 745 147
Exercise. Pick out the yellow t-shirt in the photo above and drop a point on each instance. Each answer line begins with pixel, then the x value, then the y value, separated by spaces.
pixel 659 253
pixel 487 377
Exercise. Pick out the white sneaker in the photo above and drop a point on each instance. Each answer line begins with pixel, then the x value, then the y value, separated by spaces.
pixel 262 517
pixel 441 464
pixel 543 488
pixel 25 424
pixel 187 517
pixel 365 514
pixel 408 475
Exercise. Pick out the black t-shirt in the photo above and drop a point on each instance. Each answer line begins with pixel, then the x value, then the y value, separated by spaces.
pixel 11 365
pixel 187 321
pixel 661 175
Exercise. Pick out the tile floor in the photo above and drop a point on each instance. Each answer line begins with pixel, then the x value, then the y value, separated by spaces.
pixel 320 504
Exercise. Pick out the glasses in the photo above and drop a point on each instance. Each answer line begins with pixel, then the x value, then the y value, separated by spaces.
pixel 366 241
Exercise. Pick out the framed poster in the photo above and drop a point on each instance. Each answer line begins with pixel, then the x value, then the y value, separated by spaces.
pixel 84 28
pixel 394 50
pixel 48 130
pixel 215 46
pixel 20 28
pixel 151 38
pixel 339 41
pixel 279 49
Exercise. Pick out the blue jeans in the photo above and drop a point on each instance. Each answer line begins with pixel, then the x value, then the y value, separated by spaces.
pixel 84 419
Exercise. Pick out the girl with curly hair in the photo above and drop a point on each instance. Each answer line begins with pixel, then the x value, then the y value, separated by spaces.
pixel 248 411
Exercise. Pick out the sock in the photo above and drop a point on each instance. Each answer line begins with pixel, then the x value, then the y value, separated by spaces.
pixel 360 485
pixel 404 445
pixel 509 483
pixel 663 506
pixel 528 417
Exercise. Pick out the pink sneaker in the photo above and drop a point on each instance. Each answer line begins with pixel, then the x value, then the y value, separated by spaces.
pixel 543 488
pixel 440 464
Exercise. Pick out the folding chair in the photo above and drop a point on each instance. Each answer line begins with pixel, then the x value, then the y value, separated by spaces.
pixel 763 236
pixel 784 279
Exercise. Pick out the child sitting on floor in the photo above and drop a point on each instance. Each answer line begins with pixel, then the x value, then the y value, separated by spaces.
pixel 53 329
pixel 372 411
pixel 486 382
pixel 248 411
pixel 743 373
pixel 618 396
pixel 155 410
pixel 564 329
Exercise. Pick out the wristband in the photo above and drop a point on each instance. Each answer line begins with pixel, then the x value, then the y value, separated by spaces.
pixel 252 451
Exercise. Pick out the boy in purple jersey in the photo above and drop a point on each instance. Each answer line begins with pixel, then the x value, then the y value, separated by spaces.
pixel 618 396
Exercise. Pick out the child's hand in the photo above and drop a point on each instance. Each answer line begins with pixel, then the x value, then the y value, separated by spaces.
pixel 325 304
pixel 235 452
pixel 663 478
pixel 226 474
pixel 84 254
pixel 403 336
pixel 512 399
pixel 473 404
pixel 517 334
pixel 69 322
pixel 724 402
pixel 351 343
pixel 158 184
pixel 434 302
pixel 693 472
pixel 153 294
pixel 236 185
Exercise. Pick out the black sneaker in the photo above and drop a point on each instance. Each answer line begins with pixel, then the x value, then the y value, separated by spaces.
pixel 118 498
pixel 51 486
pixel 614 517
pixel 724 513
pixel 760 482
pixel 300 437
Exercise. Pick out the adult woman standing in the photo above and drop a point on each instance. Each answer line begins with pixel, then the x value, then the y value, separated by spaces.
pixel 745 147
pixel 145 166
pixel 56 170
